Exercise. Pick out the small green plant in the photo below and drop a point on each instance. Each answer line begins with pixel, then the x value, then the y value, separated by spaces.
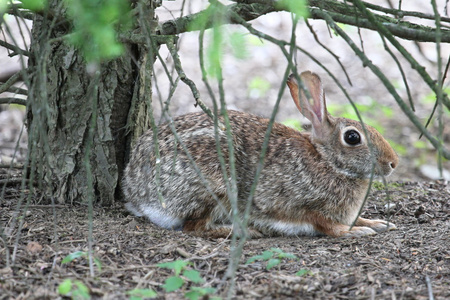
pixel 391 185
pixel 367 111
pixel 200 293
pixel 298 7
pixel 34 5
pixel 303 272
pixel 95 26
pixel 182 273
pixel 72 256
pixel 139 294
pixel 273 257
pixel 431 98
pixel 293 123
pixel 258 87
pixel 238 45
pixel 74 289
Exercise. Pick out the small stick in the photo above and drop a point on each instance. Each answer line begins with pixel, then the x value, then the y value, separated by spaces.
pixel 430 288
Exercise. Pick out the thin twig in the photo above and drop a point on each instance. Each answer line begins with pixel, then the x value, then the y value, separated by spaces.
pixel 11 165
pixel 18 91
pixel 184 78
pixel 436 102
pixel 17 50
pixel 439 93
pixel 49 206
pixel 13 180
pixel 13 100
pixel 429 287
pixel 400 68
pixel 337 58
pixel 13 79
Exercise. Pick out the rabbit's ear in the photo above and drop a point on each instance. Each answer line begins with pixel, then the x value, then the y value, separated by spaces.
pixel 313 107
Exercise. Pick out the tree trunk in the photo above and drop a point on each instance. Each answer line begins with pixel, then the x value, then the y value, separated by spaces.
pixel 74 111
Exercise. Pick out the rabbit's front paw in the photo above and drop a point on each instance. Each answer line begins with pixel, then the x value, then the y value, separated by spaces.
pixel 358 231
pixel 377 225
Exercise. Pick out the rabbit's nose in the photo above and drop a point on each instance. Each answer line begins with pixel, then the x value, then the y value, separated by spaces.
pixel 393 165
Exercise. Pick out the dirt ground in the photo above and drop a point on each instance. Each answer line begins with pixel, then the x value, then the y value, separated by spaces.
pixel 412 262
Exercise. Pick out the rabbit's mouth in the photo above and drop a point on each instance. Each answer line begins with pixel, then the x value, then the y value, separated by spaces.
pixel 387 169
pixel 372 171
pixel 387 165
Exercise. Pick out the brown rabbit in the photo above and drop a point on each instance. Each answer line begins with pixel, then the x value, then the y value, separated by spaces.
pixel 312 183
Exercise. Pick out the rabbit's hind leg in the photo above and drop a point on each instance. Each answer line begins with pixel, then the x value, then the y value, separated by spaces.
pixel 156 215
pixel 205 228
pixel 330 227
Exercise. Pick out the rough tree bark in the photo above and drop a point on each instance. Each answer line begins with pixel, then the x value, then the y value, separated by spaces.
pixel 63 94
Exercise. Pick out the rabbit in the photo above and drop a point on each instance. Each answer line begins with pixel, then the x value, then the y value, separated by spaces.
pixel 311 183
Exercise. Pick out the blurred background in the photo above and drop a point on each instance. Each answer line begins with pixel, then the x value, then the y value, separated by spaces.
pixel 253 72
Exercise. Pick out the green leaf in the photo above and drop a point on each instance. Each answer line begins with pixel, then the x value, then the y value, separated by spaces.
pixel 238 45
pixel 293 123
pixel 255 41
pixel 193 295
pixel 204 291
pixel 95 26
pixel 288 255
pixel 298 7
pixel 387 111
pixel 259 86
pixel 399 148
pixel 267 255
pixel 73 256
pixel 34 5
pixel 303 272
pixel 282 254
pixel 420 145
pixel 82 291
pixel 65 287
pixel 253 259
pixel 198 292
pixel 193 276
pixel 215 52
pixel 138 294
pixel 212 15
pixel 3 6
pixel 176 265
pixel 272 263
pixel 98 263
pixel 173 283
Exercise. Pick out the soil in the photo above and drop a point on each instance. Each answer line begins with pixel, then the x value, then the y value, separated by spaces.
pixel 412 262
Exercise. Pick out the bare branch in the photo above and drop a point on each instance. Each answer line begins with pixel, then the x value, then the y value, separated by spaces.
pixel 13 79
pixel 12 165
pixel 340 12
pixel 176 59
pixel 14 48
pixel 12 100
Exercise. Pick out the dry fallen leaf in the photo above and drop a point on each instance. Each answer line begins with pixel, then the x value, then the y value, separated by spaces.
pixel 34 248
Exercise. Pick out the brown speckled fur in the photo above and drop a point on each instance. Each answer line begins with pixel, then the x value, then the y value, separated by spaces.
pixel 310 183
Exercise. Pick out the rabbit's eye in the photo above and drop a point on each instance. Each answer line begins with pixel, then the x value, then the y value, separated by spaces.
pixel 352 137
